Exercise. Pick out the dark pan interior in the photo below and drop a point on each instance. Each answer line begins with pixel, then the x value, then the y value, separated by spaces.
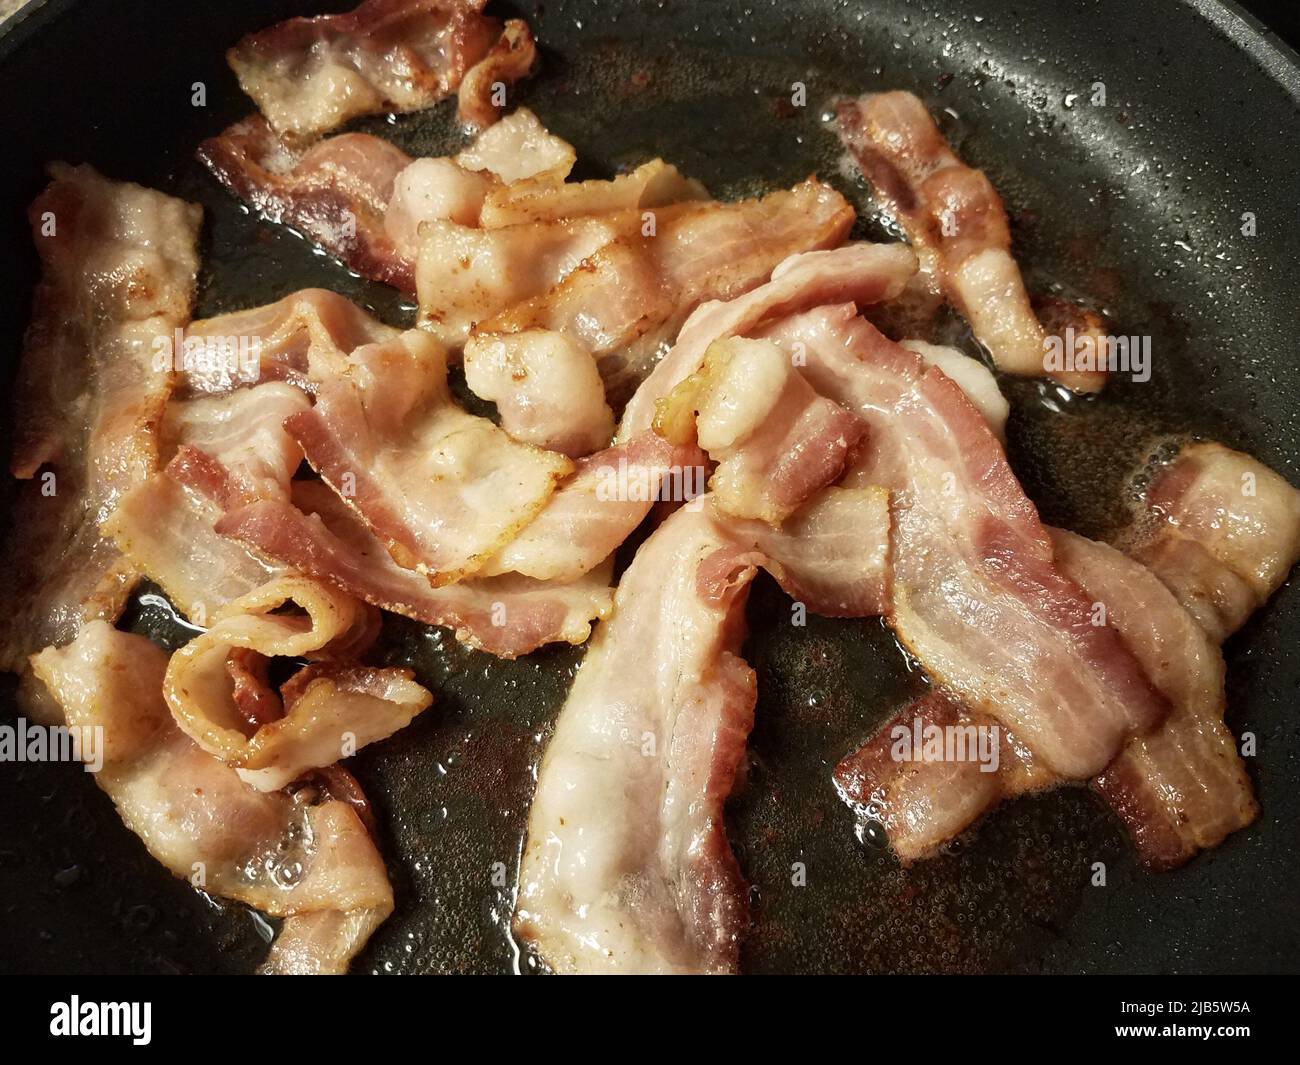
pixel 1136 205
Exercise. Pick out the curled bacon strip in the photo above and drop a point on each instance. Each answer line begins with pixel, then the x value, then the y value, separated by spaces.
pixel 329 712
pixel 305 857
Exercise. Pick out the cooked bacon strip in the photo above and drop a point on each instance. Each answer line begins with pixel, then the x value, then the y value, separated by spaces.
pixel 776 442
pixel 955 220
pixel 1182 788
pixel 605 499
pixel 509 60
pixel 1221 530
pixel 832 556
pixel 543 199
pixel 323 709
pixel 973 378
pixel 231 449
pixel 334 193
pixel 627 866
pixel 274 342
pixel 441 488
pixel 507 616
pixel 977 596
pixel 362 199
pixel 864 273
pixel 467 276
pixel 119 263
pixel 288 858
pixel 634 293
pixel 924 799
pixel 310 75
pixel 547 390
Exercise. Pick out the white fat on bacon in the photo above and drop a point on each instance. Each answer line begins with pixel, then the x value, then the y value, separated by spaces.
pixel 118 269
pixel 632 295
pixel 306 858
pixel 976 594
pixel 626 867
pixel 508 615
pixel 274 342
pixel 547 390
pixel 226 449
pixel 481 95
pixel 606 497
pixel 775 441
pixel 466 276
pixel 363 200
pixel 973 378
pixel 1221 530
pixel 309 75
pixel 955 220
pixel 863 273
pixel 832 555
pixel 327 713
pixel 441 488
pixel 543 199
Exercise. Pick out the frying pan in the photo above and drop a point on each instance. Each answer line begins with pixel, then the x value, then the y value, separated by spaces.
pixel 1136 205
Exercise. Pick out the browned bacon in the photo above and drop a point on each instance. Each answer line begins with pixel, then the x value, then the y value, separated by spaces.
pixel 119 263
pixel 543 199
pixel 310 75
pixel 955 220
pixel 507 616
pixel 633 294
pixel 441 488
pixel 1221 530
pixel 467 276
pixel 306 858
pixel 509 60
pixel 362 199
pixel 328 713
pixel 627 866
pixel 334 193
pixel 977 596
pixel 775 441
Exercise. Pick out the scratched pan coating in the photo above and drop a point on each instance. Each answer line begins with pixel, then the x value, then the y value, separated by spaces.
pixel 1137 205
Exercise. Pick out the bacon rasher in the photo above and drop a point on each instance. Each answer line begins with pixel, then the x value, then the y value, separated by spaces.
pixel 307 857
pixel 118 269
pixel 954 219
pixel 310 75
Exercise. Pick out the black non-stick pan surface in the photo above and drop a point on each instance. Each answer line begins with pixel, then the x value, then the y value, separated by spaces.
pixel 1137 205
